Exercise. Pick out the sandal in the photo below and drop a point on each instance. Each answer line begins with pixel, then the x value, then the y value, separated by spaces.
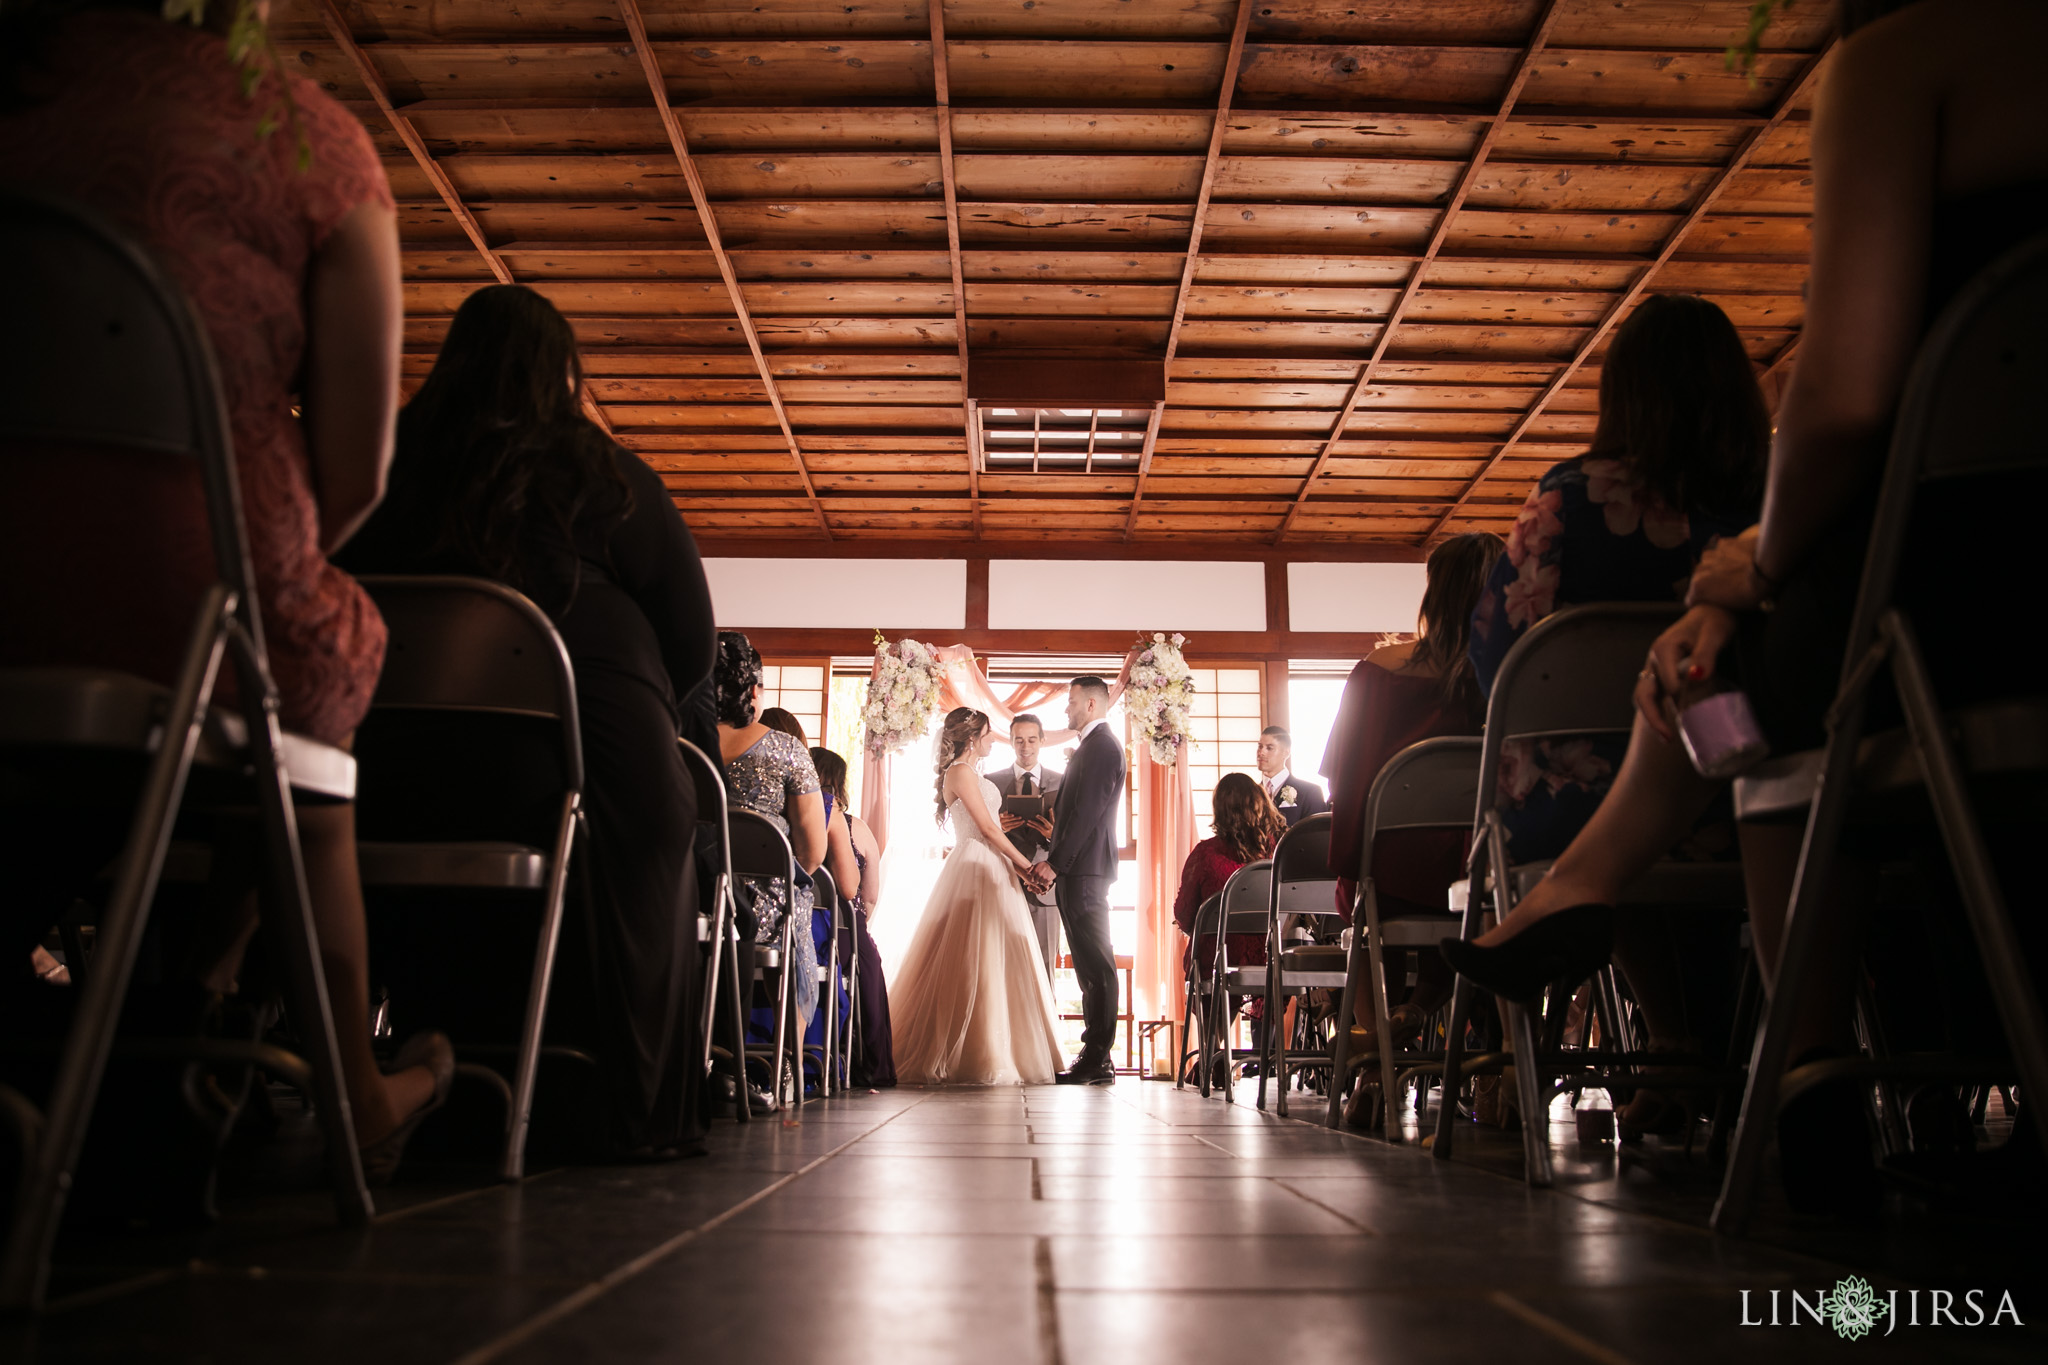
pixel 434 1052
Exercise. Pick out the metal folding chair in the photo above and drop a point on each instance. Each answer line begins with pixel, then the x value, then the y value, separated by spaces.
pixel 761 850
pixel 716 924
pixel 1302 888
pixel 1967 412
pixel 1194 1022
pixel 825 896
pixel 1246 907
pixel 470 645
pixel 101 347
pixel 1573 674
pixel 1430 785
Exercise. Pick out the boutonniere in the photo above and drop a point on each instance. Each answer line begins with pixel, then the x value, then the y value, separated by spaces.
pixel 1287 796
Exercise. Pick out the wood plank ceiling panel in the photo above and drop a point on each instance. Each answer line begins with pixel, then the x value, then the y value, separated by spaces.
pixel 1380 248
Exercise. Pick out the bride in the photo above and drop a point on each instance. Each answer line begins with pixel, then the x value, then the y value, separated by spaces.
pixel 971 1004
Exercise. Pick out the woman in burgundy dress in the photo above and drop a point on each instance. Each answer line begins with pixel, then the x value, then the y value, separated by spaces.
pixel 1402 695
pixel 294 273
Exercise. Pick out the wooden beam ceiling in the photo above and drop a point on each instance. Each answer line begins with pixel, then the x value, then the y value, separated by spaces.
pixel 1379 249
pixel 657 86
pixel 1225 87
pixel 1627 301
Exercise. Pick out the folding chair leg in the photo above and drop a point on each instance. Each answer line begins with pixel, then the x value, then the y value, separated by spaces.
pixel 2012 986
pixel 526 1071
pixel 74 944
pixel 742 1111
pixel 711 968
pixel 1530 1093
pixel 1340 1046
pixel 1891 1118
pixel 25 1267
pixel 290 912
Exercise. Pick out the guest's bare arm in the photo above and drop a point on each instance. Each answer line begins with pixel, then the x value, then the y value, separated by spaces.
pixel 807 831
pixel 353 316
pixel 839 859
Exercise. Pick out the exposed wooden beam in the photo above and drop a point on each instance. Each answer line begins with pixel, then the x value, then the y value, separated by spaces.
pixel 657 85
pixel 1538 37
pixel 1796 91
pixel 1218 128
pixel 373 80
pixel 942 98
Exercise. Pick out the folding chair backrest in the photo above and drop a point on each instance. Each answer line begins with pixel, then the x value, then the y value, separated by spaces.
pixel 1247 898
pixel 1968 410
pixel 101 347
pixel 471 644
pixel 1429 785
pixel 1302 884
pixel 711 797
pixel 1206 915
pixel 759 849
pixel 825 894
pixel 1574 673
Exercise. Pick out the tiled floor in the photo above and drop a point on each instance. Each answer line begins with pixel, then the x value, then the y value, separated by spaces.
pixel 1049 1225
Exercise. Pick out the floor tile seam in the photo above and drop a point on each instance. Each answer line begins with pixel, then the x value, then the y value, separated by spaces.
pixel 99 1294
pixel 567 1307
pixel 314 1275
pixel 1556 1330
pixel 462 1196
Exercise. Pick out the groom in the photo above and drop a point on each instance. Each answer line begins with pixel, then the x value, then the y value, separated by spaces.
pixel 1083 860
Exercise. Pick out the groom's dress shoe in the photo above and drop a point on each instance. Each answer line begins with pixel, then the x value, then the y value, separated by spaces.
pixel 1089 1071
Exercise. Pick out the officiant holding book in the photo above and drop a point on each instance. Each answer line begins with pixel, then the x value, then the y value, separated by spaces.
pixel 1028 789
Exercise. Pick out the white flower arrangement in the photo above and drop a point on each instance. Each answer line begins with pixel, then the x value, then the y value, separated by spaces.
pixel 1156 698
pixel 1288 796
pixel 903 692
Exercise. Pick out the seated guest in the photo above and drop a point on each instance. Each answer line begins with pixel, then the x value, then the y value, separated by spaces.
pixel 500 475
pixel 1930 161
pixel 293 272
pixel 1676 461
pixel 855 860
pixel 1247 827
pixel 775 718
pixel 1294 796
pixel 770 773
pixel 1398 696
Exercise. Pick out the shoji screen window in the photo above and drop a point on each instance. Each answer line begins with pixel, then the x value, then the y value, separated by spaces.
pixel 1226 719
pixel 800 690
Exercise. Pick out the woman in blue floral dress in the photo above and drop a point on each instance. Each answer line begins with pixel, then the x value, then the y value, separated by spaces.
pixel 1676 462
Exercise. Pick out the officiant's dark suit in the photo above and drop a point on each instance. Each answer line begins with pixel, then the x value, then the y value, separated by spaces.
pixel 1084 859
pixel 1045 913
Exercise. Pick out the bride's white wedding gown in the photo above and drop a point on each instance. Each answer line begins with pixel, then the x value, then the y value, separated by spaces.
pixel 970 1004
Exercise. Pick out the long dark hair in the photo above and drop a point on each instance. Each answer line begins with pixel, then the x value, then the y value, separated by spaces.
pixel 831 774
pixel 1246 820
pixel 1680 406
pixel 494 447
pixel 1457 570
pixel 736 673
pixel 963 728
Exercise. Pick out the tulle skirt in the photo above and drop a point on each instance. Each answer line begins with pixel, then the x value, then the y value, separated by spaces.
pixel 971 1004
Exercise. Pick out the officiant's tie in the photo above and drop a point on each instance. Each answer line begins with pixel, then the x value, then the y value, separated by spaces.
pixel 1024 785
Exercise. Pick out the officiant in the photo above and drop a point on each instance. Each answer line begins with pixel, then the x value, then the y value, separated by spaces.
pixel 1296 796
pixel 1028 789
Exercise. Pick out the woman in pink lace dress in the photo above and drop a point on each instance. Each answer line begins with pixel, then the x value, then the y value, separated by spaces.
pixel 294 273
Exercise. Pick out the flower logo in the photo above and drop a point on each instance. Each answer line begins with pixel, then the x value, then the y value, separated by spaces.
pixel 1853 1308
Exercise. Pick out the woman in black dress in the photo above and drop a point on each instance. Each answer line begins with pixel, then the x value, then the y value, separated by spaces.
pixel 499 474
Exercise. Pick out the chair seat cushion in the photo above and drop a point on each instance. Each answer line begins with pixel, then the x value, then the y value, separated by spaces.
pixel 94 708
pixel 1994 740
pixel 495 865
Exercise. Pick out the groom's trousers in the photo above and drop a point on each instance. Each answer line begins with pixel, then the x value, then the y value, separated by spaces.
pixel 1084 910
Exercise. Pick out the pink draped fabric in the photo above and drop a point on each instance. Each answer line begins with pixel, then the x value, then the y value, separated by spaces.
pixel 1166 835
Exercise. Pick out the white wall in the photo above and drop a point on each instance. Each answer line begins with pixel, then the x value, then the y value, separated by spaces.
pixel 890 594
pixel 1125 594
pixel 1354 597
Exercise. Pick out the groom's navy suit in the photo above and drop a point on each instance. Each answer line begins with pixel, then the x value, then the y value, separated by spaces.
pixel 1084 857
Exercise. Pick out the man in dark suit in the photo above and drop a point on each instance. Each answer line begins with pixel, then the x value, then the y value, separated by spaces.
pixel 1296 796
pixel 1032 838
pixel 1083 862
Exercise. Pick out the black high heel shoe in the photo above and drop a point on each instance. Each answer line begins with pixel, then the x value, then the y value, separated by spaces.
pixel 434 1052
pixel 1569 945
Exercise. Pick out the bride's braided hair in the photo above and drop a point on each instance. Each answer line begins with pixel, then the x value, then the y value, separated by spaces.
pixel 963 728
